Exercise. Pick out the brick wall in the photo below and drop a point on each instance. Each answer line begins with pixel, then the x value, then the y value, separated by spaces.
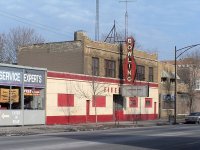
pixel 61 56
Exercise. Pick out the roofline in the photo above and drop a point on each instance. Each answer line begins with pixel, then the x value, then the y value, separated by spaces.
pixel 22 67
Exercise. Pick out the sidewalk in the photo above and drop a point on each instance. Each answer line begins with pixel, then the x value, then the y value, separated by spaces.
pixel 41 129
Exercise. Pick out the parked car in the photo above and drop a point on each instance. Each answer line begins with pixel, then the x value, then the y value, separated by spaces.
pixel 193 117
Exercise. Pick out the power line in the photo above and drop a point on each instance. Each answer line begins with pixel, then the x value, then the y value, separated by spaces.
pixel 30 22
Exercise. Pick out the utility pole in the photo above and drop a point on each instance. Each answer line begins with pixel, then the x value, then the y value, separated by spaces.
pixel 126 18
pixel 97 21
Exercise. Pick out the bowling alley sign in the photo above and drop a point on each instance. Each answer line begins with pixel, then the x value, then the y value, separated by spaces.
pixel 129 62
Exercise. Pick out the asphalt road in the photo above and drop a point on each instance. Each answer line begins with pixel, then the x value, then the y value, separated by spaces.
pixel 162 138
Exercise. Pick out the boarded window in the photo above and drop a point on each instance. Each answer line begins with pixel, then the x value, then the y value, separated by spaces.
pixel 100 101
pixel 148 102
pixel 133 102
pixel 65 100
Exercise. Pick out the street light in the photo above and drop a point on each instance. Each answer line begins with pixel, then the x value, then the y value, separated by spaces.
pixel 181 51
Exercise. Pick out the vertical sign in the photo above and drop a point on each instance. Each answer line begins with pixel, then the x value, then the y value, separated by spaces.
pixel 129 62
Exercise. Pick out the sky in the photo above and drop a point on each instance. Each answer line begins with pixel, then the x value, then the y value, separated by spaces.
pixel 157 25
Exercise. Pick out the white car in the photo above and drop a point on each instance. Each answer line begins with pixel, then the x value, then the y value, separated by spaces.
pixel 193 118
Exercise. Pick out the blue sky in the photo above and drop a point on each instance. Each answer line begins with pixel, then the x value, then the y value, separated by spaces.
pixel 158 25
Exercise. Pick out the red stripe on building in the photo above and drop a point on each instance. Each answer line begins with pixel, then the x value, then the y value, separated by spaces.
pixel 50 120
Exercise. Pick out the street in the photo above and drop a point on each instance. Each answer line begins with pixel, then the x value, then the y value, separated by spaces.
pixel 160 137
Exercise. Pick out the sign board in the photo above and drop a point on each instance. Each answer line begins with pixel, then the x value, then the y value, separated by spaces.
pixel 11 117
pixel 131 91
pixel 19 76
pixel 31 92
pixel 14 95
pixel 129 65
pixel 21 117
pixel 6 94
pixel 34 78
pixel 168 97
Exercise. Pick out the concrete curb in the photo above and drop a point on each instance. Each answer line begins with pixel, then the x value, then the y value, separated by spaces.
pixel 43 129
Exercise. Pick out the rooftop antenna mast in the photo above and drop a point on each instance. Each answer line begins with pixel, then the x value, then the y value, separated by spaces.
pixel 126 18
pixel 112 35
pixel 97 21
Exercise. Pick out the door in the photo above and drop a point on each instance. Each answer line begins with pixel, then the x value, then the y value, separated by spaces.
pixel 118 113
pixel 87 110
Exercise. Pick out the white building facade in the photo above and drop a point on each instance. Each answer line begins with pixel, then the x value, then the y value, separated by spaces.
pixel 71 98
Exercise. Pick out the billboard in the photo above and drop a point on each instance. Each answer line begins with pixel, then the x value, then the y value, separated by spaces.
pixel 138 91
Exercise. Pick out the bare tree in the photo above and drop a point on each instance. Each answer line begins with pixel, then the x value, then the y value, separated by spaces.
pixel 189 73
pixel 2 46
pixel 19 36
pixel 95 88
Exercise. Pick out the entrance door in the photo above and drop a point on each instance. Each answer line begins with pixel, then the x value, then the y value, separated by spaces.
pixel 155 108
pixel 87 110
pixel 118 113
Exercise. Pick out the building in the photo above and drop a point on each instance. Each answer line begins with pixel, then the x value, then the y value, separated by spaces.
pixel 22 95
pixel 166 81
pixel 81 61
pixel 85 56
pixel 189 71
pixel 70 99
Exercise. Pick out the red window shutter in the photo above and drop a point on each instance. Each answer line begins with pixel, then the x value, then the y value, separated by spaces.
pixel 148 102
pixel 100 101
pixel 65 100
pixel 70 100
pixel 133 101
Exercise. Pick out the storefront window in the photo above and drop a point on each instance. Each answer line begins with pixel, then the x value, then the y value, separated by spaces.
pixel 33 98
pixel 10 97
pixel 22 88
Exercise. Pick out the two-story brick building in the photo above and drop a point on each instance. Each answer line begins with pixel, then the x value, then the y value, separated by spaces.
pixel 76 67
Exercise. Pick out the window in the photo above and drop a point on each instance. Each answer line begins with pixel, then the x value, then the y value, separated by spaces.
pixel 65 100
pixel 10 97
pixel 172 81
pixel 148 102
pixel 95 66
pixel 109 68
pixel 140 73
pixel 33 98
pixel 168 105
pixel 100 101
pixel 198 85
pixel 133 102
pixel 150 74
pixel 163 79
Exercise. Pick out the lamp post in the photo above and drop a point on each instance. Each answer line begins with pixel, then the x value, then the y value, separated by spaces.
pixel 177 55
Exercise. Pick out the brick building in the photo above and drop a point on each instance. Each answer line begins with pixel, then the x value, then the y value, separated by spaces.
pixel 80 55
pixel 66 61
pixel 166 80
